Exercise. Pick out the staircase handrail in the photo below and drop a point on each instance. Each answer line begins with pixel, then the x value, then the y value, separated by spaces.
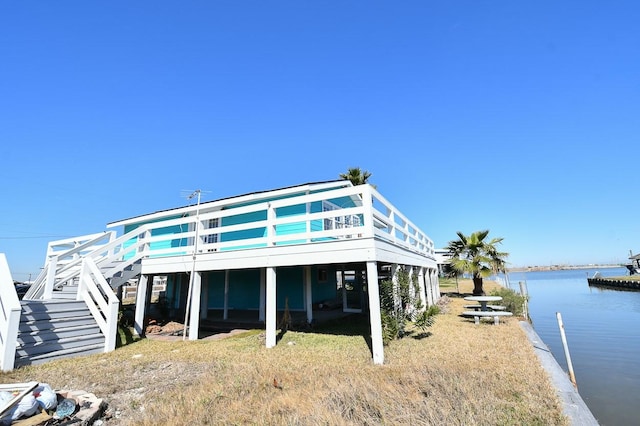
pixel 111 251
pixel 10 309
pixel 36 290
pixel 102 302
pixel 73 267
pixel 92 242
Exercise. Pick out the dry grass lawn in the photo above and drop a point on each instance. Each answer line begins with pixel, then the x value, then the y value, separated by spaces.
pixel 457 374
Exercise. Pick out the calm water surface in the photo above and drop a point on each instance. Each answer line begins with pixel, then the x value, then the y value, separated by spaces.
pixel 603 333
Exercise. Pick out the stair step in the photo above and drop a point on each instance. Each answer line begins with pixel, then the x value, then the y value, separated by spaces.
pixel 35 316
pixel 64 296
pixel 29 306
pixel 40 336
pixel 63 353
pixel 32 350
pixel 58 323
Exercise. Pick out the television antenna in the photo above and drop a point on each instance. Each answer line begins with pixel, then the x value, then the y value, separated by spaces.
pixel 197 193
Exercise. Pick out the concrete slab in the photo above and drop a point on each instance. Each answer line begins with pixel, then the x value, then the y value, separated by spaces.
pixel 574 406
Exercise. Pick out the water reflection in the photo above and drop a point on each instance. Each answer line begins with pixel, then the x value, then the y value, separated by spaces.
pixel 602 333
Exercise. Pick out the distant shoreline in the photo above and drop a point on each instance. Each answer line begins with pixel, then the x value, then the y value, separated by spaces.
pixel 562 267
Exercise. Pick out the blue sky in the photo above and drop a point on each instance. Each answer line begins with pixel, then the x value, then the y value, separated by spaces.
pixel 518 117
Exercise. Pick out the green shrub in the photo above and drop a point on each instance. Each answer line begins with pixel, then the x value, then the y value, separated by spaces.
pixel 427 317
pixel 513 301
pixel 400 303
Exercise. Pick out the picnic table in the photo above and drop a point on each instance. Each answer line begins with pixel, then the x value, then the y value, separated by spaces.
pixel 486 310
pixel 483 300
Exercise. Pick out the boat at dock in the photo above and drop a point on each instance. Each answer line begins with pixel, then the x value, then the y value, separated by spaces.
pixel 634 266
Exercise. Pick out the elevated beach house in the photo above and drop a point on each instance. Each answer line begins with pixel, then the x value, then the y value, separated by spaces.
pixel 296 248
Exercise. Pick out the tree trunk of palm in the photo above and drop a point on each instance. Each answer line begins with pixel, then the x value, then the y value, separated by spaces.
pixel 477 286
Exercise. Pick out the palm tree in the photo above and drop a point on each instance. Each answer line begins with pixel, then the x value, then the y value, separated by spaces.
pixel 474 255
pixel 356 176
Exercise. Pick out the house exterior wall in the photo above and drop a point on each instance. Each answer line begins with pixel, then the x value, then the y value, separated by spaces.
pixel 168 230
pixel 244 288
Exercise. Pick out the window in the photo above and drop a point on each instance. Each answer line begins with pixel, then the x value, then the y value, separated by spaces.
pixel 338 222
pixel 322 275
pixel 211 238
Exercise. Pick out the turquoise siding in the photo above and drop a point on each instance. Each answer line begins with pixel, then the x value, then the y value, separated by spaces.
pixel 246 218
pixel 215 287
pixel 168 243
pixel 247 233
pixel 175 290
pixel 294 210
pixel 290 285
pixel 322 291
pixel 244 288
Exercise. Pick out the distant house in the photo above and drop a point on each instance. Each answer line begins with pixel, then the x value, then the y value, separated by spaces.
pixel 300 247
pixel 443 258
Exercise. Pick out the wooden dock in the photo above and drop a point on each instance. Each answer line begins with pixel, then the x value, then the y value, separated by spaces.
pixel 618 283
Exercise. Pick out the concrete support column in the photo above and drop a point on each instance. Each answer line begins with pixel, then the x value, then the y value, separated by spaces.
pixel 374 313
pixel 263 281
pixel 307 293
pixel 430 287
pixel 225 312
pixel 194 314
pixel 436 286
pixel 141 305
pixel 410 274
pixel 271 313
pixel 394 280
pixel 421 285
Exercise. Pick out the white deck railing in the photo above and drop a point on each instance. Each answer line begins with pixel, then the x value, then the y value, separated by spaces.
pixel 9 316
pixel 368 215
pixel 365 213
pixel 101 301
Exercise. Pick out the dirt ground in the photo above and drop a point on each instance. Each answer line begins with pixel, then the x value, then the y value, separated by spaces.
pixel 124 404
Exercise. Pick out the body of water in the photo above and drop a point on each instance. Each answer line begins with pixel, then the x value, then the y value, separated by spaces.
pixel 603 333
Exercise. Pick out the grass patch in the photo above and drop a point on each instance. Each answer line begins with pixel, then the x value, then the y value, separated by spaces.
pixel 624 278
pixel 459 373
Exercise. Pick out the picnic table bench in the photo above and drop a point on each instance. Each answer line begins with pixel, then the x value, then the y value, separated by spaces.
pixel 487 314
pixel 492 307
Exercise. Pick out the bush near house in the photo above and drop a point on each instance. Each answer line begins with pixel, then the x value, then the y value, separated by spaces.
pixel 400 305
pixel 513 301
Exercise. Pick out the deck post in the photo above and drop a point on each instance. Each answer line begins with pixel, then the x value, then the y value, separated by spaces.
pixel 194 319
pixel 436 285
pixel 271 311
pixel 374 313
pixel 430 300
pixel 394 280
pixel 141 305
pixel 307 293
pixel 51 278
pixel 421 284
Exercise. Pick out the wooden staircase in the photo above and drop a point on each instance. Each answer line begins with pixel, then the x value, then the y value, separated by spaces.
pixel 55 329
